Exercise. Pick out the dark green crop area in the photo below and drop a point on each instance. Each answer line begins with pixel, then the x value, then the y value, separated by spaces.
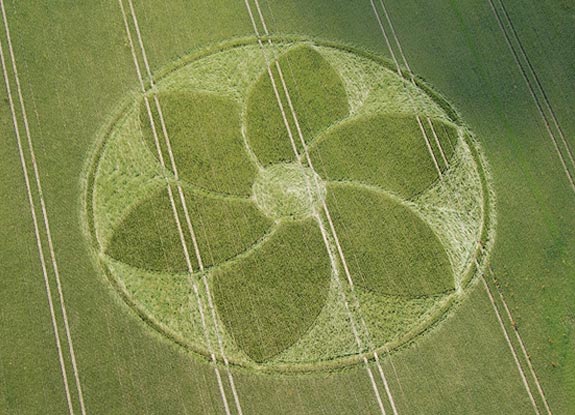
pixel 268 300
pixel 78 69
pixel 219 231
pixel 148 237
pixel 388 248
pixel 225 228
pixel 317 95
pixel 205 136
pixel 382 150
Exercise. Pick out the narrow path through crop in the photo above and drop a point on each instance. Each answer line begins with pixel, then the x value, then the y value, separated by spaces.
pixel 539 84
pixel 532 92
pixel 508 340
pixel 411 78
pixel 323 203
pixel 186 213
pixel 521 343
pixel 45 220
pixel 161 159
pixel 520 368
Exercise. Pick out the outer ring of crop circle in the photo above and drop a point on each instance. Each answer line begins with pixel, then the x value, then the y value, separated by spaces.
pixel 471 275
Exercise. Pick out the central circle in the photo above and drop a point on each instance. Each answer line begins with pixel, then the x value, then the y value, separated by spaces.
pixel 288 191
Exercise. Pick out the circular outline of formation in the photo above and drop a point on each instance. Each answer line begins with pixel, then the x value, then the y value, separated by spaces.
pixel 472 274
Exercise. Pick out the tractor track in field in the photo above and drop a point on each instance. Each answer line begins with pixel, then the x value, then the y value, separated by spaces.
pixel 45 220
pixel 496 311
pixel 436 138
pixel 331 226
pixel 411 78
pixel 324 205
pixel 38 241
pixel 523 349
pixel 182 237
pixel 411 75
pixel 521 342
pixel 554 140
pixel 187 215
pixel 533 93
pixel 510 345
pixel 539 84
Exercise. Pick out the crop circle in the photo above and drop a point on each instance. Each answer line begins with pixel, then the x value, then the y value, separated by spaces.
pixel 216 223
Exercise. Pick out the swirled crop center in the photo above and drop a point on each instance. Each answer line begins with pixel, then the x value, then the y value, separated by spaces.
pixel 268 234
pixel 288 191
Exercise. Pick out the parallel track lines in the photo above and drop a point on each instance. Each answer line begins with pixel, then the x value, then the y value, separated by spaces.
pixel 330 222
pixel 45 222
pixel 321 226
pixel 38 238
pixel 511 348
pixel 525 354
pixel 548 127
pixel 436 138
pixel 187 216
pixel 324 206
pixel 521 343
pixel 532 92
pixel 175 213
pixel 185 209
pixel 411 78
pixel 521 371
pixel 198 255
pixel 332 228
pixel 520 368
pixel 539 84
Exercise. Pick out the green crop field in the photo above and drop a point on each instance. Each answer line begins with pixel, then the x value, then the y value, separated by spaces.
pixel 287 207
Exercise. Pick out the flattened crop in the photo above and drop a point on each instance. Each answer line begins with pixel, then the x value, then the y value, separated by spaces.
pixel 247 218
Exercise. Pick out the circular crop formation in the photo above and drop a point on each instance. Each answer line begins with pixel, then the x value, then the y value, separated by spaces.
pixel 220 225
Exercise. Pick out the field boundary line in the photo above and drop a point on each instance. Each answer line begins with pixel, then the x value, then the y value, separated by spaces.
pixel 324 206
pixel 533 95
pixel 187 214
pixel 43 210
pixel 174 210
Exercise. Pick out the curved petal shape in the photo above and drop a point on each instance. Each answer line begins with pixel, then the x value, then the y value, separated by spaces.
pixel 268 300
pixel 318 97
pixel 206 140
pixel 225 227
pixel 148 237
pixel 388 248
pixel 385 151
